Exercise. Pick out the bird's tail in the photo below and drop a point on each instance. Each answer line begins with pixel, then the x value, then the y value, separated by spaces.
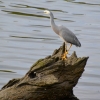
pixel 78 44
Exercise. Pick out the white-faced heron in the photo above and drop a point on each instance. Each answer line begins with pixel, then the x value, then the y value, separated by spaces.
pixel 64 33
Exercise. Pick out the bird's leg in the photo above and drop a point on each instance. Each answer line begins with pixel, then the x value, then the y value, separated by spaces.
pixel 69 47
pixel 65 52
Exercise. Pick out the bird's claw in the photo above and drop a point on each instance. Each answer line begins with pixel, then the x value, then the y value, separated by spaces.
pixel 64 57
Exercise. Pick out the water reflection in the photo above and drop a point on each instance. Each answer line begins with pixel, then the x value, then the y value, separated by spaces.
pixel 26 6
pixel 89 2
pixel 24 14
pixel 34 38
pixel 6 71
pixel 69 0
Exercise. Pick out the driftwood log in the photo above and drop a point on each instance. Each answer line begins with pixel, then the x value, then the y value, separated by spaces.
pixel 50 78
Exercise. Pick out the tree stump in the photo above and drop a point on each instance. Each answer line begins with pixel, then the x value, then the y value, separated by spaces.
pixel 50 78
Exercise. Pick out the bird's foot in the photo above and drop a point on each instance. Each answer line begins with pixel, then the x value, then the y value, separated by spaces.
pixel 64 57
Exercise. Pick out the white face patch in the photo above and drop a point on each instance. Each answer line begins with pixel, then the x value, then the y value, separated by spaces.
pixel 47 12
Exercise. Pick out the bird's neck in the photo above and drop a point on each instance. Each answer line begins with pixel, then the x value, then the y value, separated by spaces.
pixel 53 25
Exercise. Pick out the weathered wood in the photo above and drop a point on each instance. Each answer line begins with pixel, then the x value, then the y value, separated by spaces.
pixel 50 78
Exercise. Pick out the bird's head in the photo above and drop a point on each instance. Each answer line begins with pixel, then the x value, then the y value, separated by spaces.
pixel 47 12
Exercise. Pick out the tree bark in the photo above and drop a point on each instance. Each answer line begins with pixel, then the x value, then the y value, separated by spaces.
pixel 50 78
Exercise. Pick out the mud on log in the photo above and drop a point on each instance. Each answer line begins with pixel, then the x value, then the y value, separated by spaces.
pixel 50 78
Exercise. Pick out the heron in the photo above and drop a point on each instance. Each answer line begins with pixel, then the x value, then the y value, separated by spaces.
pixel 64 33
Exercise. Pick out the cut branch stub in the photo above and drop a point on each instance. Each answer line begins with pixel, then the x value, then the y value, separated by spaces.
pixel 48 79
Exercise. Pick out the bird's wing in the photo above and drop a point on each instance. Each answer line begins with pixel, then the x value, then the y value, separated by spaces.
pixel 68 36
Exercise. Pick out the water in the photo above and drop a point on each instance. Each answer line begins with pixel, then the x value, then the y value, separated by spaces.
pixel 26 36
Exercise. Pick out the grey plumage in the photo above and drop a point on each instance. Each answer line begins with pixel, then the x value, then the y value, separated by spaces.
pixel 68 36
pixel 63 32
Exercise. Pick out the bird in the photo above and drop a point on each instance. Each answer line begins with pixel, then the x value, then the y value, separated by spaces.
pixel 64 33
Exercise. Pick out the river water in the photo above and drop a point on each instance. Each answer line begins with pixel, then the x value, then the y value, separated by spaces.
pixel 26 36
